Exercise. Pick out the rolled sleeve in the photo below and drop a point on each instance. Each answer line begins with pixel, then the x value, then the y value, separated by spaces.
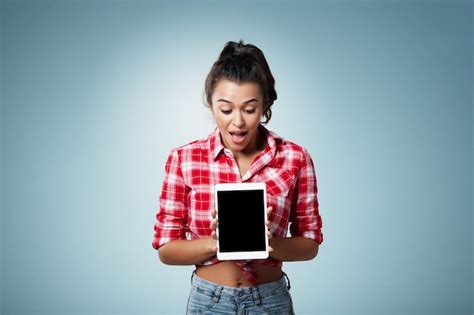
pixel 304 215
pixel 172 215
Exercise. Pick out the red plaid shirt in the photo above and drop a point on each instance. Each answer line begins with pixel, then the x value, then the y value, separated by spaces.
pixel 194 169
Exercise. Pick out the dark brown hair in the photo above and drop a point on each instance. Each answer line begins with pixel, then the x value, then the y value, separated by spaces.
pixel 239 62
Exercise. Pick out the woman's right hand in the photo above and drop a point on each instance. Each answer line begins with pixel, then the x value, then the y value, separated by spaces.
pixel 213 226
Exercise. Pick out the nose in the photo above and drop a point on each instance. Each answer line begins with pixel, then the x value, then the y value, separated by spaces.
pixel 238 120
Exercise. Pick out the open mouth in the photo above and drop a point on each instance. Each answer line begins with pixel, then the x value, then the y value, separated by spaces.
pixel 238 137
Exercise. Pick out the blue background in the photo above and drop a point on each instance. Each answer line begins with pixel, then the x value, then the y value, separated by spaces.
pixel 96 93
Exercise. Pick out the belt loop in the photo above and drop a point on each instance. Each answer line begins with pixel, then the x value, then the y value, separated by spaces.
pixel 192 276
pixel 256 296
pixel 217 294
pixel 288 285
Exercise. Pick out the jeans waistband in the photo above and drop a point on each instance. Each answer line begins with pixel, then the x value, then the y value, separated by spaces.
pixel 195 279
pixel 256 292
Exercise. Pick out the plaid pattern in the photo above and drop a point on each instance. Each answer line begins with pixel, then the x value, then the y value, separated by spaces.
pixel 194 169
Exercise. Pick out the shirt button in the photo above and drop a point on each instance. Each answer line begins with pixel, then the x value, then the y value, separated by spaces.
pixel 240 293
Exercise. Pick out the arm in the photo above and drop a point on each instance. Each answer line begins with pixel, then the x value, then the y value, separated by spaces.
pixel 295 248
pixel 190 252
pixel 171 226
pixel 305 220
pixel 187 252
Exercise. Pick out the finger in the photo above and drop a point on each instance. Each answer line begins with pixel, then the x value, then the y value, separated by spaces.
pixel 213 246
pixel 213 213
pixel 214 235
pixel 214 224
pixel 268 224
pixel 269 210
pixel 270 249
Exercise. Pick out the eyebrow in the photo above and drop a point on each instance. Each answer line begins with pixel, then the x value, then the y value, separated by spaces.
pixel 246 102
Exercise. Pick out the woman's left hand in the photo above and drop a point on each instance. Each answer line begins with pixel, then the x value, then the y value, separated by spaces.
pixel 269 232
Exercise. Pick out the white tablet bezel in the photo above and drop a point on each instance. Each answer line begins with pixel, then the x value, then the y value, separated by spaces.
pixel 242 255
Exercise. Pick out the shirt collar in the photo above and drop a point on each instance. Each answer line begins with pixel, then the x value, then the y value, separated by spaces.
pixel 217 147
pixel 215 143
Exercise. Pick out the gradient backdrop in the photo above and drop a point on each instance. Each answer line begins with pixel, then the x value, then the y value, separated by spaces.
pixel 96 93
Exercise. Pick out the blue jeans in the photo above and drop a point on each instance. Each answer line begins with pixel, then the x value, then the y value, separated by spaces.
pixel 269 298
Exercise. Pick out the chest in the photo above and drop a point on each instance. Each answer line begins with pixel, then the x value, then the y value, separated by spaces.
pixel 202 176
pixel 243 165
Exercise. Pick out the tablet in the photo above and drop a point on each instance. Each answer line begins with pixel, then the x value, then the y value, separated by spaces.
pixel 241 214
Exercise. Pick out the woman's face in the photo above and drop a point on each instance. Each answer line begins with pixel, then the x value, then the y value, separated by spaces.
pixel 237 109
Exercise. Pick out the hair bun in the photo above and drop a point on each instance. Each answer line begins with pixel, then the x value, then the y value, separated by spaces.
pixel 232 49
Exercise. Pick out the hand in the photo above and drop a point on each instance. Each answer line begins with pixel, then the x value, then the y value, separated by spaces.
pixel 269 233
pixel 213 226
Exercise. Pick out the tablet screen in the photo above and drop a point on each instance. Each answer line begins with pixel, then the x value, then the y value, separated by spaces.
pixel 241 220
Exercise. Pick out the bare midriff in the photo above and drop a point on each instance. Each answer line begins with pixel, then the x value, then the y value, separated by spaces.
pixel 229 274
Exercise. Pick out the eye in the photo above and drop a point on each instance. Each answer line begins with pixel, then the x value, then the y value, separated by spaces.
pixel 250 111
pixel 226 111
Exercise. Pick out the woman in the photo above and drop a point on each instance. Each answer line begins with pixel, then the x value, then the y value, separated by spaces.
pixel 239 90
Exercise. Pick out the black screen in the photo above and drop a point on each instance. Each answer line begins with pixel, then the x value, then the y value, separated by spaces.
pixel 241 221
